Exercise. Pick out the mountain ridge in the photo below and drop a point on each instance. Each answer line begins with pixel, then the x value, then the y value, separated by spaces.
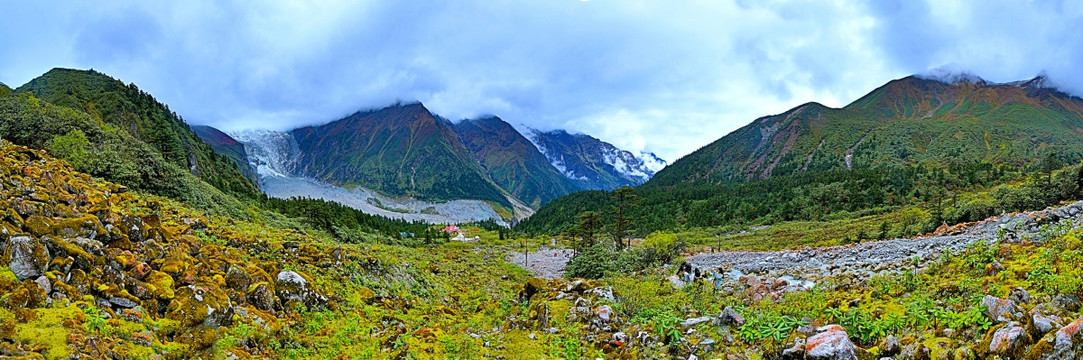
pixel 402 150
pixel 813 137
pixel 592 163
pixel 512 161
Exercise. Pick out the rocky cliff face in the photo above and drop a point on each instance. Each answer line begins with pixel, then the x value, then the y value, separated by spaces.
pixel 592 163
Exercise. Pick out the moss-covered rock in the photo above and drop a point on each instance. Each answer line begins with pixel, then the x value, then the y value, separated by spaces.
pixel 38 226
pixel 27 257
pixel 200 305
pixel 161 285
pixel 292 286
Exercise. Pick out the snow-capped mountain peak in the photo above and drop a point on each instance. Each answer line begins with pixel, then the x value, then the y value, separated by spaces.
pixel 593 163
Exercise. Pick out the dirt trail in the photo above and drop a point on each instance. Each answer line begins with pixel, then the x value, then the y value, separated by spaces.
pixel 877 256
pixel 546 263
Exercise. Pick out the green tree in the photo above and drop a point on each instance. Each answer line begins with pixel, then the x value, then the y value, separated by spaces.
pixel 883 231
pixel 72 147
pixel 589 222
pixel 624 199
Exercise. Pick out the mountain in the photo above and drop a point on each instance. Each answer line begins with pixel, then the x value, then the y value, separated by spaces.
pixel 399 151
pixel 909 143
pixel 228 147
pixel 136 112
pixel 948 119
pixel 592 163
pixel 512 161
pixel 4 89
pixel 98 147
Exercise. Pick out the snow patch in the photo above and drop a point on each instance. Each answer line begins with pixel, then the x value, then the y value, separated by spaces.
pixel 271 153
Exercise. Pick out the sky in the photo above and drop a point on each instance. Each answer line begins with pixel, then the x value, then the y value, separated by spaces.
pixel 660 76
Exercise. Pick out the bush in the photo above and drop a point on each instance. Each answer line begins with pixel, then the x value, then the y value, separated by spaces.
pixel 592 263
pixel 657 249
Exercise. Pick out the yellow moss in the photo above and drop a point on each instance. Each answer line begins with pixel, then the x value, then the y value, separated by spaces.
pixel 47 330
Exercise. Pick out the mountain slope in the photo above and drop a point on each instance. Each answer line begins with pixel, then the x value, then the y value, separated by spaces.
pixel 592 163
pixel 90 145
pixel 399 151
pixel 912 142
pixel 227 146
pixel 139 114
pixel 4 89
pixel 512 161
pixel 910 120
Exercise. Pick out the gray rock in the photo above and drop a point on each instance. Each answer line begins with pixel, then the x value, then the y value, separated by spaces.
pixel 1066 343
pixel 1000 310
pixel 1063 303
pixel 1019 296
pixel 1009 340
pixel 605 313
pixel 1041 324
pixel 695 321
pixel 123 302
pixel 291 286
pixel 29 257
pixel 890 346
pixel 795 352
pixel 603 293
pixel 832 343
pixel 730 317
pixel 44 284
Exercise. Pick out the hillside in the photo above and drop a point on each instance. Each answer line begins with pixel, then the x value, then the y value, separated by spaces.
pixel 128 108
pixel 912 142
pixel 512 161
pixel 906 121
pixel 592 163
pixel 92 270
pixel 98 148
pixel 229 147
pixel 399 151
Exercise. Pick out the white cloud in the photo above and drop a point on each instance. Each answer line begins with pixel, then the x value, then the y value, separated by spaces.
pixel 658 76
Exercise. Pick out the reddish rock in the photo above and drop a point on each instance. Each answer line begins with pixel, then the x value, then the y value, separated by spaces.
pixel 832 343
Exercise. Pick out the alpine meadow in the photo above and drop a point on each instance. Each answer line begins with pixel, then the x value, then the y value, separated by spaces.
pixel 552 180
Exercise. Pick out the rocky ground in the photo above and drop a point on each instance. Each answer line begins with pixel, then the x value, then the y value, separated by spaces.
pixel 875 256
pixel 545 263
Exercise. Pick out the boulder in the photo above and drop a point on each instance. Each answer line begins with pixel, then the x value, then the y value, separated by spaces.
pixel 261 295
pixel 1040 324
pixel 1019 296
pixel 890 346
pixel 695 321
pixel 730 317
pixel 1000 310
pixel 133 227
pixel 1066 343
pixel 1009 341
pixel 602 293
pixel 200 305
pixel 237 278
pixel 1063 304
pixel 45 284
pixel 532 286
pixel 27 257
pixel 832 343
pixel 291 286
pixel 604 312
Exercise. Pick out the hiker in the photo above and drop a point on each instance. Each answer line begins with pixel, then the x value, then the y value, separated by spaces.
pixel 717 277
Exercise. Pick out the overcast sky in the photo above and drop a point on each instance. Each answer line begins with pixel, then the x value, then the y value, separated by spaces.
pixel 661 76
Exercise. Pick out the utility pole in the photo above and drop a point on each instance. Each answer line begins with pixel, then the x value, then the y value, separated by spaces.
pixel 717 242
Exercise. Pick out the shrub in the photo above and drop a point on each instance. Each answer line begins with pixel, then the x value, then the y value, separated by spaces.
pixel 592 263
